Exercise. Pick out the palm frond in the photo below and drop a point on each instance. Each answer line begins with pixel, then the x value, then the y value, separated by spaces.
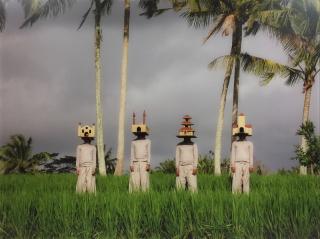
pixel 2 15
pixel 50 8
pixel 216 28
pixel 106 7
pixel 85 16
pixel 267 69
pixel 221 61
pixel 150 7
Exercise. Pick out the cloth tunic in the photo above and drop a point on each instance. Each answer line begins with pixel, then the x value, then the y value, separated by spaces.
pixel 86 166
pixel 242 161
pixel 140 159
pixel 186 162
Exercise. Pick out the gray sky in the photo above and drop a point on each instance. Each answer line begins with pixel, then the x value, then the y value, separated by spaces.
pixel 47 85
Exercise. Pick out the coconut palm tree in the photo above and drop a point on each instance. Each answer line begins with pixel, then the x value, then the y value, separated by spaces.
pixel 17 155
pixel 123 89
pixel 229 18
pixel 99 8
pixel 298 29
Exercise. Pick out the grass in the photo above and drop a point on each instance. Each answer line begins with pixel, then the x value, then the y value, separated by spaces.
pixel 46 206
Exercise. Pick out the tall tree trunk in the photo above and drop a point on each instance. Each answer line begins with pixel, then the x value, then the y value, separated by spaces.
pixel 235 105
pixel 305 117
pixel 217 146
pixel 99 114
pixel 123 91
pixel 217 150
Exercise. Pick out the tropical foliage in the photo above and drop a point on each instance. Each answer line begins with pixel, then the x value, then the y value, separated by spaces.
pixel 17 155
pixel 310 156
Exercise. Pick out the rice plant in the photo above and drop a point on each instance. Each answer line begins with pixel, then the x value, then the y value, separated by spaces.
pixel 46 206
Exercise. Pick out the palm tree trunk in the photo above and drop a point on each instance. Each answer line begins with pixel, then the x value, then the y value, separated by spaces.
pixel 217 150
pixel 123 91
pixel 238 42
pixel 305 117
pixel 99 114
pixel 217 146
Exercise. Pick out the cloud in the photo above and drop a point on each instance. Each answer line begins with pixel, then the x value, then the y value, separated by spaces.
pixel 48 85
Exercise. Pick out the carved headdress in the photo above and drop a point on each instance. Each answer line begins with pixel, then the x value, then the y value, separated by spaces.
pixel 86 130
pixel 139 128
pixel 241 127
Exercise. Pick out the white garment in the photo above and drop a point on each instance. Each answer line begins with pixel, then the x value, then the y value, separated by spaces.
pixel 139 178
pixel 140 160
pixel 187 155
pixel 86 166
pixel 186 162
pixel 241 161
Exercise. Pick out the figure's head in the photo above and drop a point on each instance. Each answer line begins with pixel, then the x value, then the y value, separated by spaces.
pixel 86 139
pixel 140 130
pixel 241 129
pixel 242 135
pixel 86 132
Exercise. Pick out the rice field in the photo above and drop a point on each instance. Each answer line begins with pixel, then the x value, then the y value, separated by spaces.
pixel 46 206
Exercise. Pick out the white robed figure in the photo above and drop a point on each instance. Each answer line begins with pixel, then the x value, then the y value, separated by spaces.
pixel 186 158
pixel 140 157
pixel 86 161
pixel 241 159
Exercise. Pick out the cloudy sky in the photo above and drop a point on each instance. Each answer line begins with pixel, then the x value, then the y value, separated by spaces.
pixel 47 84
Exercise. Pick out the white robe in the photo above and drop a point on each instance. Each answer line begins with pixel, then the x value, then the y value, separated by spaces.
pixel 86 166
pixel 242 161
pixel 186 162
pixel 140 160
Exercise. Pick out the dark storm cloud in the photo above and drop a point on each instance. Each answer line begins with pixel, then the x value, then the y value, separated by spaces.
pixel 48 84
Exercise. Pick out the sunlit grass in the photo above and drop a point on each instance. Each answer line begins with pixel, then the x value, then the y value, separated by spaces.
pixel 42 206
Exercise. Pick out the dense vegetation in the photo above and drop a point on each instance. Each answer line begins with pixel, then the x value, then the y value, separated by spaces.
pixel 42 206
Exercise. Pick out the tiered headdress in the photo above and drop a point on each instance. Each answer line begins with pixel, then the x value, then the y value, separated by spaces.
pixel 186 130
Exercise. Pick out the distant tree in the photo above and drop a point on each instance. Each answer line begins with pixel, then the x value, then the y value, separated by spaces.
pixel 62 165
pixel 293 170
pixel 17 155
pixel 206 163
pixel 110 162
pixel 309 156
pixel 167 166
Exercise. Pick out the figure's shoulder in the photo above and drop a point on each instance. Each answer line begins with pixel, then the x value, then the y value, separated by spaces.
pixel 250 143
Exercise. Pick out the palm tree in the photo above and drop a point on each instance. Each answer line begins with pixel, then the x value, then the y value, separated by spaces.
pixel 123 87
pixel 17 155
pixel 229 17
pixel 298 29
pixel 99 8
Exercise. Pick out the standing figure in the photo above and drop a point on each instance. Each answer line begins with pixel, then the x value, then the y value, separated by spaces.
pixel 241 157
pixel 140 157
pixel 186 157
pixel 86 160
